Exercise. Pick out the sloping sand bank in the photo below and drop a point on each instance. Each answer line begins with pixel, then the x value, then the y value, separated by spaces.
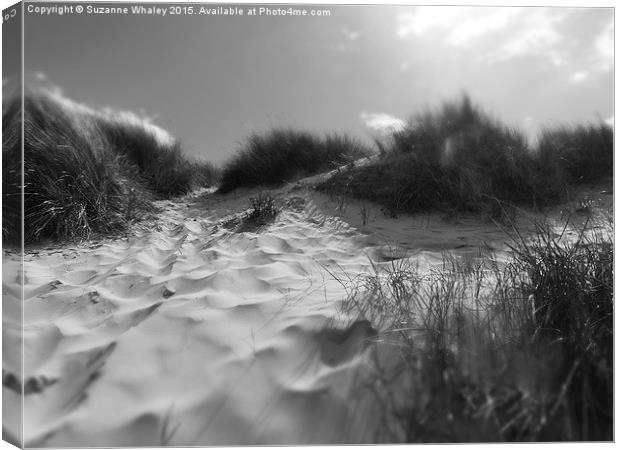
pixel 188 333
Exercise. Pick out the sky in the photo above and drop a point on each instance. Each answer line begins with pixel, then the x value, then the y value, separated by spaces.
pixel 213 80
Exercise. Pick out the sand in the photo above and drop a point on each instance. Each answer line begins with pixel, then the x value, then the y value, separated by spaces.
pixel 189 333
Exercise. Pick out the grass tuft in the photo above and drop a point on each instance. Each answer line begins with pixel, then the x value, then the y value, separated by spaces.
pixel 263 208
pixel 583 152
pixel 263 212
pixel 159 161
pixel 482 351
pixel 458 158
pixel 85 172
pixel 281 155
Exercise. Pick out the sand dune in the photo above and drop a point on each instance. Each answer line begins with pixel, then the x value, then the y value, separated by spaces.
pixel 188 333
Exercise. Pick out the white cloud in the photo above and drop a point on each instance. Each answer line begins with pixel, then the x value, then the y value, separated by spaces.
pixel 424 19
pixel 477 24
pixel 349 34
pixel 459 25
pixel 382 122
pixel 604 46
pixel 536 35
pixel 347 44
pixel 579 77
pixel 39 76
pixel 610 121
pixel 505 32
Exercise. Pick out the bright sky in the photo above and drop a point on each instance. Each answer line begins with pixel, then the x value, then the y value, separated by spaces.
pixel 212 80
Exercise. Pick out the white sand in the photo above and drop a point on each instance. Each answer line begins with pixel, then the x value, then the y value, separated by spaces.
pixel 190 334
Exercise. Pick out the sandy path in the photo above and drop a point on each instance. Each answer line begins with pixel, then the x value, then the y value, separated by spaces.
pixel 190 334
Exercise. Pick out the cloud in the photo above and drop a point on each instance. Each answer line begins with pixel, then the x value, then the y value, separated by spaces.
pixel 423 20
pixel 350 35
pixel 604 47
pixel 610 121
pixel 382 122
pixel 536 35
pixel 498 33
pixel 479 25
pixel 579 77
pixel 348 43
pixel 458 25
pixel 39 76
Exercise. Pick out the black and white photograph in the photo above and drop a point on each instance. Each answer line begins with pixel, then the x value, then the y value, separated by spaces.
pixel 295 224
